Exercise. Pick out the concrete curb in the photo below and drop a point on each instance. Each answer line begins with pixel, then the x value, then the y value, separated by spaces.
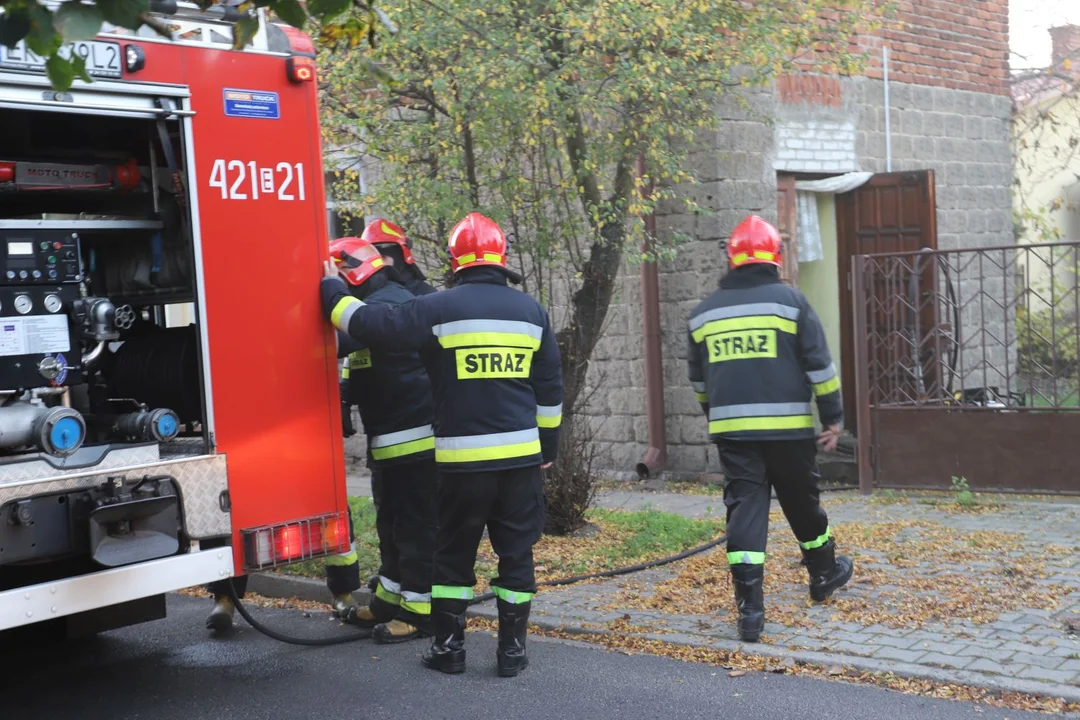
pixel 809 657
pixel 276 585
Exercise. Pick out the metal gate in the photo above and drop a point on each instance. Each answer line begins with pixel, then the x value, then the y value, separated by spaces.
pixel 966 367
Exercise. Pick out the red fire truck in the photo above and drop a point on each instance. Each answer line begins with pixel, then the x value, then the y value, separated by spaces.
pixel 169 410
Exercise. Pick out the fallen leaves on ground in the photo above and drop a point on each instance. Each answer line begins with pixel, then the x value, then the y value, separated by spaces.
pixel 597 549
pixel 907 573
pixel 739 664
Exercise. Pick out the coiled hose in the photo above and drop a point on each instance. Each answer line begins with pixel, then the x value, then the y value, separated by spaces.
pixel 339 639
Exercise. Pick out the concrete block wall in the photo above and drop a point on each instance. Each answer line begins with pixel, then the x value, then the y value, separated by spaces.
pixel 963 136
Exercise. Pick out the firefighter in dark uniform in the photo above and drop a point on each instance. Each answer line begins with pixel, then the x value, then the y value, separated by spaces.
pixel 757 356
pixel 394 246
pixel 496 374
pixel 392 243
pixel 392 391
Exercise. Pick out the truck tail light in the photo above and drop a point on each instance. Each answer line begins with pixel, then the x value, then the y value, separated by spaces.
pixel 273 545
pixel 300 69
pixel 7 172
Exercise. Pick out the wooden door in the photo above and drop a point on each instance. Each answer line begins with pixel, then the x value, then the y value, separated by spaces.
pixel 787 219
pixel 893 212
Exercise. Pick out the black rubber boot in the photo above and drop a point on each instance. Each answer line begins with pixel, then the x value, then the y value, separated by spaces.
pixel 828 573
pixel 750 598
pixel 447 653
pixel 513 628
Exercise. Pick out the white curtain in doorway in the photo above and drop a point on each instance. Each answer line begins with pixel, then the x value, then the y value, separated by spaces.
pixel 808 228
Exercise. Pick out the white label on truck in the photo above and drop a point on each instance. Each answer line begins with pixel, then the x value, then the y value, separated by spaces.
pixel 34 335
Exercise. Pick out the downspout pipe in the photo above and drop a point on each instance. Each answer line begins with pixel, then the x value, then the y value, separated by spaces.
pixel 656 455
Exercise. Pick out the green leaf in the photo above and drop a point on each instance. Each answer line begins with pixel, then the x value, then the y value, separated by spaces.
pixel 124 13
pixel 61 72
pixel 245 29
pixel 324 10
pixel 291 12
pixel 79 65
pixel 14 25
pixel 77 21
pixel 42 38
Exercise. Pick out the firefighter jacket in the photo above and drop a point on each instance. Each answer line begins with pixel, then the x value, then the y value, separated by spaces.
pixel 417 285
pixel 391 390
pixel 757 355
pixel 492 359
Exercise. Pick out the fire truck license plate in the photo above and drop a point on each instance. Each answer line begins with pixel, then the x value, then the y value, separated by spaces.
pixel 102 58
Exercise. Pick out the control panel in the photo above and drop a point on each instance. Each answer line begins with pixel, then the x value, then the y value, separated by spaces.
pixel 40 272
pixel 39 257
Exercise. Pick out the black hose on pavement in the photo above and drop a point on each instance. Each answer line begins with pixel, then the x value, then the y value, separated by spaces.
pixel 281 637
pixel 617 571
pixel 339 639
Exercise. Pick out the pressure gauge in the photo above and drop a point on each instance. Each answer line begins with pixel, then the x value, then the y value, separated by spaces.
pixel 23 304
pixel 52 303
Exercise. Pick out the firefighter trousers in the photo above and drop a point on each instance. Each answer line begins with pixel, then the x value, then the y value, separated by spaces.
pixel 405 521
pixel 343 571
pixel 510 504
pixel 220 588
pixel 751 471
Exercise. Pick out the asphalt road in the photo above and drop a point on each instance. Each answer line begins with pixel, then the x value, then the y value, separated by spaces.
pixel 172 669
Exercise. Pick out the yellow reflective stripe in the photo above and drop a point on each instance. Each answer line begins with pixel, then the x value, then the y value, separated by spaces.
pixel 377 263
pixel 342 560
pixel 748 322
pixel 746 424
pixel 342 306
pixel 498 452
pixel 513 597
pixel 387 596
pixel 472 339
pixel 757 255
pixel 345 372
pixel 402 449
pixel 549 421
pixel 492 257
pixel 417 607
pixel 451 592
pixel 701 397
pixel 829 386
pixel 745 557
pixel 818 541
pixel 466 259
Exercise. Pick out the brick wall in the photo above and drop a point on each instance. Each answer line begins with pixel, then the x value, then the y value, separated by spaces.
pixel 957 44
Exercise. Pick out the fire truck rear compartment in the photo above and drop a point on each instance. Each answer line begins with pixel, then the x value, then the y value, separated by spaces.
pixel 100 349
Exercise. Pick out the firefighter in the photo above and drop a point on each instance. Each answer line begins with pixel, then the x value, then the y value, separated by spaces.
pixel 392 391
pixel 221 616
pixel 497 379
pixel 757 355
pixel 396 250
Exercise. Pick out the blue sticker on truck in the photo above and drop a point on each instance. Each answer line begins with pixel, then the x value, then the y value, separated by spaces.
pixel 252 104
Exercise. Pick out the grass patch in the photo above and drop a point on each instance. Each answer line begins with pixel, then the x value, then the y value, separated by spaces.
pixel 614 539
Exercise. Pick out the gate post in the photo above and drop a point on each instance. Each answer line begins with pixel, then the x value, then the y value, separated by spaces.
pixel 859 300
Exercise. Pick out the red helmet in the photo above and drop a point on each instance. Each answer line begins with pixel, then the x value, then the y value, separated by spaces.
pixel 753 241
pixel 475 241
pixel 356 259
pixel 384 232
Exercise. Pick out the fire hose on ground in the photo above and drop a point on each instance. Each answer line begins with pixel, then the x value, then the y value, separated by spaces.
pixel 339 639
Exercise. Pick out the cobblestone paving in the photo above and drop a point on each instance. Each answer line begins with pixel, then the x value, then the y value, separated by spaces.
pixel 1030 649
